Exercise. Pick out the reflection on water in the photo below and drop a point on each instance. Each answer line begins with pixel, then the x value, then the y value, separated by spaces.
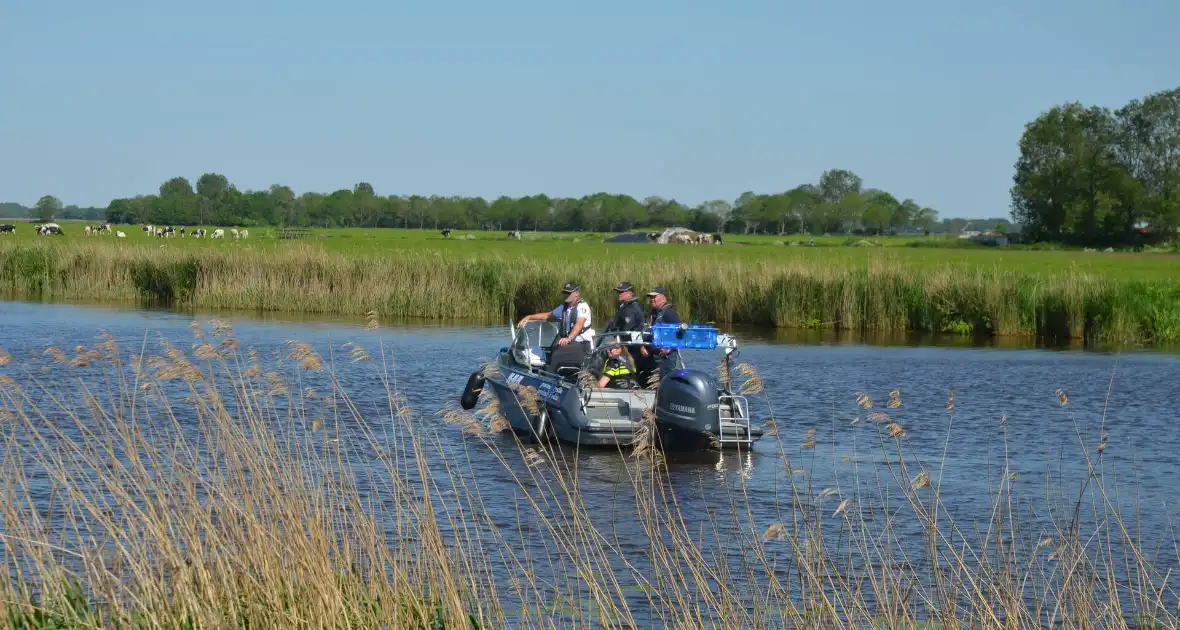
pixel 1006 424
pixel 787 336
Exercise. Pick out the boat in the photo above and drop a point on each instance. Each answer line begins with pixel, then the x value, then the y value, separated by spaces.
pixel 691 409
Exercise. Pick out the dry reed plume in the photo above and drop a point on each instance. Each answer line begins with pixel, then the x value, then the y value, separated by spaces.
pixel 204 500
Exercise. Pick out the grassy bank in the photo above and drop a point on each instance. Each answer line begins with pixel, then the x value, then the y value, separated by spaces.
pixel 564 248
pixel 884 293
pixel 210 489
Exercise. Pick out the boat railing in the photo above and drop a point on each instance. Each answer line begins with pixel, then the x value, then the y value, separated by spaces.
pixel 670 337
pixel 532 342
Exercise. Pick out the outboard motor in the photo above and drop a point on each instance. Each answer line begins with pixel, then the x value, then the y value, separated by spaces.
pixel 688 410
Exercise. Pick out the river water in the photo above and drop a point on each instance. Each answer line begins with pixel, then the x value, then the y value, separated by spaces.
pixel 1008 421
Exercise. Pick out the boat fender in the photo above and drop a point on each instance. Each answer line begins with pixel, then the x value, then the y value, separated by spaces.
pixel 542 423
pixel 472 391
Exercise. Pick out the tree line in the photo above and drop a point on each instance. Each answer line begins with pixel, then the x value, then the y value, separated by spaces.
pixel 1085 176
pixel 838 202
pixel 48 208
pixel 1095 176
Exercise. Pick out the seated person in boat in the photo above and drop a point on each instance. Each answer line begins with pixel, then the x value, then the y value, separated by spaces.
pixel 572 345
pixel 617 370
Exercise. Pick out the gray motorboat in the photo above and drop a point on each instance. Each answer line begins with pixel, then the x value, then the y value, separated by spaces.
pixel 693 411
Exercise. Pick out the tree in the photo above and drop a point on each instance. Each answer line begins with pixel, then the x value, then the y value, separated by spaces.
pixel 1088 175
pixel 283 199
pixel 835 184
pixel 210 185
pixel 177 186
pixel 905 214
pixel 879 211
pixel 212 188
pixel 926 219
pixel 720 209
pixel 1044 179
pixel 47 208
pixel 215 200
pixel 808 206
pixel 1161 119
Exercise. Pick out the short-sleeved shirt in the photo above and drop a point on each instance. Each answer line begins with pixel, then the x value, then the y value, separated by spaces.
pixel 581 310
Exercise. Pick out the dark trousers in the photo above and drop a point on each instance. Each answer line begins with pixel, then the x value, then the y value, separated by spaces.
pixel 668 364
pixel 655 367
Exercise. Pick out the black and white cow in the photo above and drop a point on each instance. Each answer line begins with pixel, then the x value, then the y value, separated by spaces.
pixel 7 228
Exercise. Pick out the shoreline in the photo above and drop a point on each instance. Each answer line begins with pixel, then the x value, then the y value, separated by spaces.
pixel 433 287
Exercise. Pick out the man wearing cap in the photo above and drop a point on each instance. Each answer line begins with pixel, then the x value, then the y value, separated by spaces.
pixel 630 314
pixel 574 331
pixel 662 313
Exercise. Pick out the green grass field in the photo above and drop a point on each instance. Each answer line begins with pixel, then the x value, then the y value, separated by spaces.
pixel 917 252
pixel 1103 297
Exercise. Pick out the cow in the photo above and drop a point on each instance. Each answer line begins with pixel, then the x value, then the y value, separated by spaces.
pixel 514 234
pixel 106 228
pixel 50 228
pixel 717 239
pixel 218 233
pixel 181 232
pixel 446 233
pixel 233 232
pixel 244 233
pixel 7 228
pixel 87 230
pixel 120 234
pixel 199 233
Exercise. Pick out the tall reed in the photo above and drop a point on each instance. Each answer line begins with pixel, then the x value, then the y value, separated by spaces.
pixel 884 295
pixel 208 488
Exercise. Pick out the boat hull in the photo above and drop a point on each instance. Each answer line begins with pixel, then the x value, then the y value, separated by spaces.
pixel 540 406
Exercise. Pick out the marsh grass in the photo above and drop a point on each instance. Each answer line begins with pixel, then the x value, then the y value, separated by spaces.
pixel 208 488
pixel 882 295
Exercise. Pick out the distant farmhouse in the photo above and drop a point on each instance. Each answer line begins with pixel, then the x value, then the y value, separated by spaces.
pixel 989 237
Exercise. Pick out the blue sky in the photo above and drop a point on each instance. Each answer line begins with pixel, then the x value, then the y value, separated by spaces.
pixel 684 99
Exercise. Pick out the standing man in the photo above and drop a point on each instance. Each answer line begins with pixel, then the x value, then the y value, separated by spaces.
pixel 630 316
pixel 574 332
pixel 662 313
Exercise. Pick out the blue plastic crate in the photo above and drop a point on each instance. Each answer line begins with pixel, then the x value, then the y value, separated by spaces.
pixel 694 337
pixel 700 337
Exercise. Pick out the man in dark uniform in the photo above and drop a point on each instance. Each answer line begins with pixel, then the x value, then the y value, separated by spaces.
pixel 630 313
pixel 630 316
pixel 661 313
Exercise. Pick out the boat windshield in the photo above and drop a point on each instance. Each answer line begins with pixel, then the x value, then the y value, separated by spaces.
pixel 532 341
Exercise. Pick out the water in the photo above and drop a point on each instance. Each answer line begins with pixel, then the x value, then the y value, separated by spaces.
pixel 1008 422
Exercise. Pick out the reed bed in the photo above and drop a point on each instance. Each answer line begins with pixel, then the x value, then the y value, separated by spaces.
pixel 209 487
pixel 881 295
